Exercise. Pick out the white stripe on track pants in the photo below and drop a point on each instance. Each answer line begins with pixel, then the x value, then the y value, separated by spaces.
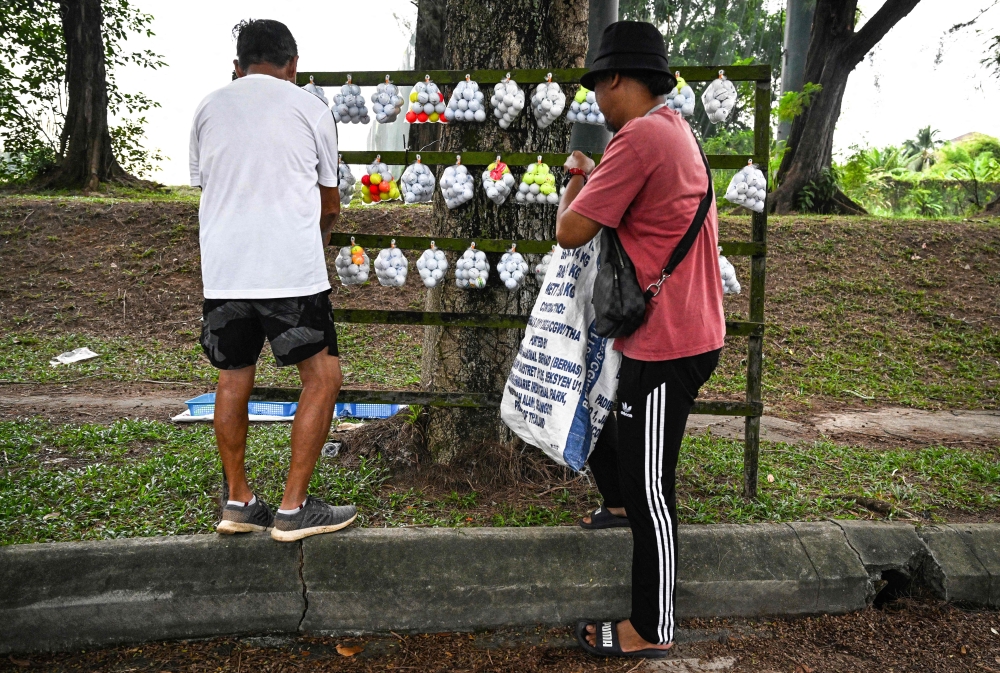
pixel 655 399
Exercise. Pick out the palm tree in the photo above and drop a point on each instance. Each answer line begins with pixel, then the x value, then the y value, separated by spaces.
pixel 920 150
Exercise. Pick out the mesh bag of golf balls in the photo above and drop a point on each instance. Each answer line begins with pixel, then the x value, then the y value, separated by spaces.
pixel 417 183
pixel 349 105
pixel 543 266
pixel 378 184
pixel 512 269
pixel 538 185
pixel 681 97
pixel 426 103
pixel 391 266
pixel 719 98
pixel 507 101
pixel 467 103
pixel 386 102
pixel 498 182
pixel 432 266
pixel 316 91
pixel 729 283
pixel 748 188
pixel 472 269
pixel 548 102
pixel 352 264
pixel 584 109
pixel 457 185
pixel 345 182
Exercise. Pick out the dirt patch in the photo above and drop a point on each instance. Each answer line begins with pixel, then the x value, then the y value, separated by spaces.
pixel 96 401
pixel 914 424
pixel 133 268
pixel 905 636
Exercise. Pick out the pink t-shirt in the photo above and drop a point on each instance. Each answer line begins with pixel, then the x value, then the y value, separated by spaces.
pixel 648 186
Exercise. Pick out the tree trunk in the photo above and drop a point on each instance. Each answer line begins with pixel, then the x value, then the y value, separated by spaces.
pixel 835 49
pixel 513 34
pixel 85 144
pixel 993 207
pixel 428 55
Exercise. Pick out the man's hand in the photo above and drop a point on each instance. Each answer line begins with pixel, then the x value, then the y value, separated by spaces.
pixel 579 160
pixel 329 211
pixel 573 229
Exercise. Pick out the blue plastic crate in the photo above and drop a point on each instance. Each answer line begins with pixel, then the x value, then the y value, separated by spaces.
pixel 204 405
pixel 366 410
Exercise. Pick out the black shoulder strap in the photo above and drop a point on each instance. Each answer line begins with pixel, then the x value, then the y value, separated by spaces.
pixel 681 251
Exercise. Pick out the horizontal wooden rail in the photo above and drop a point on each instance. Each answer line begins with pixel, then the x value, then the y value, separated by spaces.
pixel 360 316
pixel 515 159
pixel 704 73
pixel 375 242
pixel 372 317
pixel 439 399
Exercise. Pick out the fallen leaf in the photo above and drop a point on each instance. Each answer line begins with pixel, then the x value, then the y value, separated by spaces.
pixel 349 650
pixel 770 478
pixel 924 246
pixel 994 631
pixel 966 267
pixel 802 668
pixel 914 257
pixel 963 650
pixel 50 515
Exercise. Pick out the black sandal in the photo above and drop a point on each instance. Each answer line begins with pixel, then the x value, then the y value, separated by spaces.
pixel 607 644
pixel 602 518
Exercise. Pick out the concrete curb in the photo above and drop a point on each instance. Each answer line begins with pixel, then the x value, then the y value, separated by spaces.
pixel 89 594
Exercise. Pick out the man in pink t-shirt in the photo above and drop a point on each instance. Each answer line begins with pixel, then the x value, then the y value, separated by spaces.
pixel 648 186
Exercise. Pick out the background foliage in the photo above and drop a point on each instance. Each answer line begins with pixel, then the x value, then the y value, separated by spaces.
pixel 33 91
pixel 700 32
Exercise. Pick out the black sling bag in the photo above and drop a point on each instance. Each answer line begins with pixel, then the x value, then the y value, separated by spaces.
pixel 619 302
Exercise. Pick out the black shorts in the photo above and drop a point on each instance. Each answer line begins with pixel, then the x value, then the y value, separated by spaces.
pixel 298 328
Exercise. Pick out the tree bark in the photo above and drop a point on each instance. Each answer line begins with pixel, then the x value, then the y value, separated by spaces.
pixel 86 157
pixel 511 34
pixel 993 207
pixel 835 49
pixel 428 55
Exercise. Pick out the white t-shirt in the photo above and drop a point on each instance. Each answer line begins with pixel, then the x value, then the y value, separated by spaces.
pixel 260 148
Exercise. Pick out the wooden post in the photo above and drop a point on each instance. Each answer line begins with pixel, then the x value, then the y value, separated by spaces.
pixel 755 355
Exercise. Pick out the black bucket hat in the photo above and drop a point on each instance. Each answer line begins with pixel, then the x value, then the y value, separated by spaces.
pixel 629 45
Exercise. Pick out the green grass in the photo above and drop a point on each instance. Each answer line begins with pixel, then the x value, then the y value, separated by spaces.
pixel 143 478
pixel 851 315
pixel 115 193
pixel 369 355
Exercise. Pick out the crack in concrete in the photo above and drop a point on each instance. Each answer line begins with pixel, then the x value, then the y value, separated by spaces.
pixel 870 592
pixel 819 589
pixel 305 588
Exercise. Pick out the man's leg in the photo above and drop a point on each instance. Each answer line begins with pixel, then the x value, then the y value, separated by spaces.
pixel 321 379
pixel 231 421
pixel 659 396
pixel 603 464
pixel 232 338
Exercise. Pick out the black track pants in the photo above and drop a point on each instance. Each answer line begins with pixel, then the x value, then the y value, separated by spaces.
pixel 655 399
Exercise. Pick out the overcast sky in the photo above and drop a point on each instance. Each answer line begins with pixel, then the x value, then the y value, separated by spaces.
pixel 917 75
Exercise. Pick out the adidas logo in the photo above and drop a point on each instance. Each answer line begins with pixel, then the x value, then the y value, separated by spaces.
pixel 626 410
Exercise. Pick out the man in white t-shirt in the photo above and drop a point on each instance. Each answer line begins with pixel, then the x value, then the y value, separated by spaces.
pixel 264 153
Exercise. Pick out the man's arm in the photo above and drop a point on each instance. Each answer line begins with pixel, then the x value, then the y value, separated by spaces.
pixel 329 211
pixel 573 229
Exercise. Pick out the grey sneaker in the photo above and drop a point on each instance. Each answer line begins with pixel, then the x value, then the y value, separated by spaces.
pixel 314 518
pixel 255 518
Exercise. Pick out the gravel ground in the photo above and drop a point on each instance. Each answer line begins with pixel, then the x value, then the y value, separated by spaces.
pixel 906 635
